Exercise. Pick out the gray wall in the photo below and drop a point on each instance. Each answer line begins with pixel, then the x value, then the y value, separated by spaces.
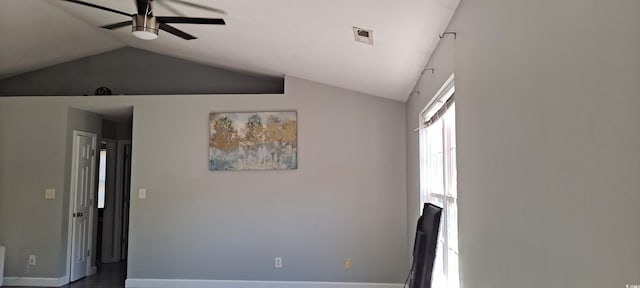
pixel 346 200
pixel 34 155
pixel 133 71
pixel 547 98
pixel 428 85
pixel 116 130
pixel 32 158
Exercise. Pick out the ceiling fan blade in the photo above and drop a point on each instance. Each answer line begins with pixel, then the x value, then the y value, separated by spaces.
pixel 98 7
pixel 175 31
pixel 142 6
pixel 117 25
pixel 194 5
pixel 170 8
pixel 191 20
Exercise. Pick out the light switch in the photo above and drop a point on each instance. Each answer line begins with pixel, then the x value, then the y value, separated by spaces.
pixel 142 193
pixel 50 193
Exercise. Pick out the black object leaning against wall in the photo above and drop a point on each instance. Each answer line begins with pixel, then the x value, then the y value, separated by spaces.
pixel 424 246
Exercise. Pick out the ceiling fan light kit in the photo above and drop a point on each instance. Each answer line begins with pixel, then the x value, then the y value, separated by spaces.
pixel 145 27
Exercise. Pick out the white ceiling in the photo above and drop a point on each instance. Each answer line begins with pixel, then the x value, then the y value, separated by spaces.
pixel 306 39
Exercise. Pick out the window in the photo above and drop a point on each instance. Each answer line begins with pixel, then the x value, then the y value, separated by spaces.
pixel 102 176
pixel 438 180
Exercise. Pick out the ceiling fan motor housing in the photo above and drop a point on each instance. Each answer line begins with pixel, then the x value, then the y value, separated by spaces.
pixel 145 27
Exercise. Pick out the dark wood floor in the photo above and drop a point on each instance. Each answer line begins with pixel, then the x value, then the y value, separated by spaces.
pixel 108 276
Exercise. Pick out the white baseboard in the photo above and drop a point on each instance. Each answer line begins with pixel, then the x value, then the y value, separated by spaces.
pixel 1 264
pixel 64 280
pixel 93 270
pixel 192 283
pixel 34 281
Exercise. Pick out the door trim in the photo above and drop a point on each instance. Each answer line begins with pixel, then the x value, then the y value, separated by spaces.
pixel 72 196
pixel 123 180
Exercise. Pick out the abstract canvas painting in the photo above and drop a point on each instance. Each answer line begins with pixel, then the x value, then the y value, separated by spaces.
pixel 253 141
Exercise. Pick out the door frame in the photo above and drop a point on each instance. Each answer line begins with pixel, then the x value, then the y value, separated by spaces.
pixel 72 196
pixel 123 182
pixel 107 246
pixel 115 227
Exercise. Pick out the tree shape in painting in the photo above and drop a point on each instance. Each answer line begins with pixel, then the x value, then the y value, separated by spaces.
pixel 225 137
pixel 253 134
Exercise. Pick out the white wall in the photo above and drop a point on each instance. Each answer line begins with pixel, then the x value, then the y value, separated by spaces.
pixel 346 199
pixel 547 98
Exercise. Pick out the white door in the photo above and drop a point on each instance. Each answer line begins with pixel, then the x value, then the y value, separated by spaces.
pixel 84 146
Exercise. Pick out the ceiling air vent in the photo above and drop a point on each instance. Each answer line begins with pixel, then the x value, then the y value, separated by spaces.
pixel 363 35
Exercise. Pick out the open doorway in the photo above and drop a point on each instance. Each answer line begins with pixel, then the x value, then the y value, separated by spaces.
pixel 114 180
pixel 100 235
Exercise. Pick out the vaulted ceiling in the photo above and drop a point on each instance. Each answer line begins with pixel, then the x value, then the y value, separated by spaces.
pixel 306 39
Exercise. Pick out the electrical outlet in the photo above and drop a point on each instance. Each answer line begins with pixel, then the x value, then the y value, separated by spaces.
pixel 31 260
pixel 278 262
pixel 347 263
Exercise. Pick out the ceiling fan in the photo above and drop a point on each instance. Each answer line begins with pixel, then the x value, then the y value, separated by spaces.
pixel 146 26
